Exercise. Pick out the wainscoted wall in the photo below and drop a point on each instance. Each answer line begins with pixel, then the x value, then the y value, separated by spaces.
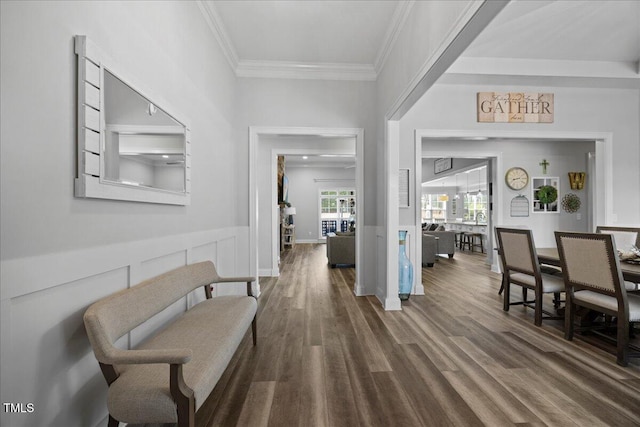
pixel 46 356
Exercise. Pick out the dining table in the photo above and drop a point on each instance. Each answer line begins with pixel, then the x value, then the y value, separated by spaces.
pixel 549 256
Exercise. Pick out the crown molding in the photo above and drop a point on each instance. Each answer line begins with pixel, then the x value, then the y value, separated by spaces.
pixel 219 31
pixel 299 70
pixel 398 20
pixel 545 67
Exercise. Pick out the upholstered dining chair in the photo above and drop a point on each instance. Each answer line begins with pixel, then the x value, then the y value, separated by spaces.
pixel 625 238
pixel 520 267
pixel 593 280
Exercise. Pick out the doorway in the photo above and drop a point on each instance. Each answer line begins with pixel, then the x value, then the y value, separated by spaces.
pixel 264 221
pixel 496 145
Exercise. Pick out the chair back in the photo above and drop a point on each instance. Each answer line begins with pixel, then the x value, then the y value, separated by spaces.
pixel 625 237
pixel 589 261
pixel 517 250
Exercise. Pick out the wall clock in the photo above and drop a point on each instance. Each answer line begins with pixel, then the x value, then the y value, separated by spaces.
pixel 516 178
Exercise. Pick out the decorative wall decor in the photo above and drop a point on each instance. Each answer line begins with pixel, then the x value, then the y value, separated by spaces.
pixel 571 203
pixel 441 165
pixel 131 145
pixel 285 189
pixel 403 188
pixel 280 178
pixel 516 178
pixel 545 192
pixel 519 206
pixel 577 180
pixel 515 107
pixel 544 163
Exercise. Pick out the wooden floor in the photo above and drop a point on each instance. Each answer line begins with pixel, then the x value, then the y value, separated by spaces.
pixel 451 357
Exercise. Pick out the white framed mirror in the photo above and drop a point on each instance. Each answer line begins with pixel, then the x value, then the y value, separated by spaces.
pixel 130 147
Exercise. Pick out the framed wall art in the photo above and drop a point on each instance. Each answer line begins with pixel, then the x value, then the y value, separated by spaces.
pixel 441 165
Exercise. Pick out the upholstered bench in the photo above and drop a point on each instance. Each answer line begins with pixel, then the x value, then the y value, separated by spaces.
pixel 169 376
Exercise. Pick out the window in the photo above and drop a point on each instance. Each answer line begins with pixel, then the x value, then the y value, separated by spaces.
pixel 337 210
pixel 434 207
pixel 475 205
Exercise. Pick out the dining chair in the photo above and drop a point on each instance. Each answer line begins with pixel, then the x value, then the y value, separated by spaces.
pixel 594 281
pixel 625 238
pixel 520 267
pixel 544 268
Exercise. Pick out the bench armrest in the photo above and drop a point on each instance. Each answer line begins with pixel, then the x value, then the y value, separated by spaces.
pixel 247 279
pixel 136 357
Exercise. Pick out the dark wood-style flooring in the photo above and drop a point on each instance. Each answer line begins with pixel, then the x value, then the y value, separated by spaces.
pixel 451 358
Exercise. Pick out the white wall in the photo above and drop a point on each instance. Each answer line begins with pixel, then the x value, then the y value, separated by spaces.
pixel 318 104
pixel 562 157
pixel 452 108
pixel 308 103
pixel 159 44
pixel 580 110
pixel 419 55
pixel 60 253
pixel 304 193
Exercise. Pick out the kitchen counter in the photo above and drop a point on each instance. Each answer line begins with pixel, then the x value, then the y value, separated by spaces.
pixel 469 226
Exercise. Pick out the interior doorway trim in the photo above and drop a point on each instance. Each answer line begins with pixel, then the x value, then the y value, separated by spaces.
pixel 255 132
pixel 602 191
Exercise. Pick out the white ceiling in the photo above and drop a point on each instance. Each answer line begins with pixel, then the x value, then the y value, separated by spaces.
pixel 585 30
pixel 306 39
pixel 595 42
pixel 345 161
pixel 471 179
pixel 350 39
pixel 307 31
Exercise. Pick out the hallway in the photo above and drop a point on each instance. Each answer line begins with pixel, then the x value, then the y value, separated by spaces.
pixel 451 357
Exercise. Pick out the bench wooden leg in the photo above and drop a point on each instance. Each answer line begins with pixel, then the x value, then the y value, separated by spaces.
pixel 183 396
pixel 254 331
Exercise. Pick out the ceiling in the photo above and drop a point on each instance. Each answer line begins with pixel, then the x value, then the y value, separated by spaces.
pixel 306 39
pixel 572 42
pixel 585 30
pixel 472 179
pixel 345 161
pixel 351 39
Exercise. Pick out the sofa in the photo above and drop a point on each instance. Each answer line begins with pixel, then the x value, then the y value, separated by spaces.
pixel 446 243
pixel 167 377
pixel 428 250
pixel 341 249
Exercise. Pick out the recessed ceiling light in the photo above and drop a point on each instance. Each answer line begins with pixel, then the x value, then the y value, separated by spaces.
pixel 305 157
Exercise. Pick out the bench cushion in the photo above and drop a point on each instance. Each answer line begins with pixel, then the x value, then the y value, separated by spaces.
pixel 212 329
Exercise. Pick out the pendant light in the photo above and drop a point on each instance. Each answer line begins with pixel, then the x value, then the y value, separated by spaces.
pixel 479 190
pixel 443 197
pixel 457 195
pixel 467 183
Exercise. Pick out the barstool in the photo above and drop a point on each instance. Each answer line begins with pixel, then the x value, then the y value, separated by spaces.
pixel 466 241
pixel 474 238
pixel 458 239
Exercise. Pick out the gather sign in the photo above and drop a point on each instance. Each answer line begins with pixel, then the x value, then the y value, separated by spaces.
pixel 515 107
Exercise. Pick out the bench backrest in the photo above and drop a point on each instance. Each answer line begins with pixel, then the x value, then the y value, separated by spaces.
pixel 112 317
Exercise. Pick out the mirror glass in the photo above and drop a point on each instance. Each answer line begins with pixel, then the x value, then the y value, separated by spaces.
pixel 143 145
